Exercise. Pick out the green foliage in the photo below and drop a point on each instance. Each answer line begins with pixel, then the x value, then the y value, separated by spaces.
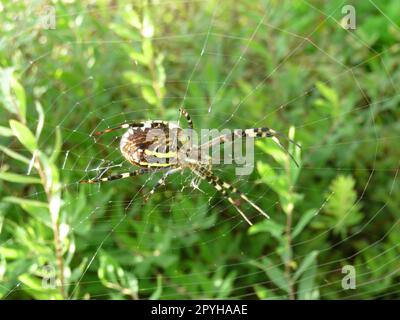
pixel 288 271
pixel 149 74
pixel 12 94
pixel 343 209
pixel 112 62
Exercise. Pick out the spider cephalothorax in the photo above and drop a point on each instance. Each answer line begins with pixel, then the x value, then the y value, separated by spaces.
pixel 164 146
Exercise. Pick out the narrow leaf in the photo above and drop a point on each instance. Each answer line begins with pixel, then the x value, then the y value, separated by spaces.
pixel 22 201
pixel 57 146
pixel 305 264
pixel 18 178
pixel 306 284
pixel 157 293
pixel 303 222
pixel 5 132
pixel 21 98
pixel 14 155
pixel 40 112
pixel 269 226
pixel 275 274
pixel 24 135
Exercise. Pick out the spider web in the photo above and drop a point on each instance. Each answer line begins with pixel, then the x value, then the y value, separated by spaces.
pixel 189 215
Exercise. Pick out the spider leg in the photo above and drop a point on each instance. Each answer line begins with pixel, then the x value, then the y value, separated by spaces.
pixel 161 182
pixel 224 187
pixel 139 124
pixel 266 133
pixel 273 134
pixel 119 176
pixel 187 116
pixel 253 133
pixel 122 126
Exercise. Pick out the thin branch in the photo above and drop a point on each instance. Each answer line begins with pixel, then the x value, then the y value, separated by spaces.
pixel 55 226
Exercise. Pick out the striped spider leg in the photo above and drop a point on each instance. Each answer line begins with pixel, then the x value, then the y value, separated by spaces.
pixel 121 126
pixel 253 133
pixel 187 117
pixel 161 182
pixel 224 188
pixel 119 176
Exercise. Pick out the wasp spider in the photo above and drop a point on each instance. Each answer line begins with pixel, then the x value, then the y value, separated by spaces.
pixel 145 150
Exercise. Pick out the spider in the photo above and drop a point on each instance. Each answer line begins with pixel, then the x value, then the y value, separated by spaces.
pixel 160 152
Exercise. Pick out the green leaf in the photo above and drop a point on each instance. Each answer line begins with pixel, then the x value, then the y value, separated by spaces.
pixel 132 17
pixel 108 270
pixel 38 213
pixel 22 201
pixel 147 25
pixel 57 146
pixel 6 98
pixel 137 78
pixel 275 274
pixel 147 49
pixel 39 126
pixel 34 287
pixel 225 287
pixel 149 95
pixel 18 178
pixel 55 205
pixel 269 226
pixel 52 184
pixel 125 31
pixel 261 292
pixel 342 207
pixel 303 222
pixel 275 181
pixel 113 276
pixel 24 135
pixel 3 267
pixel 271 148
pixel 51 172
pixel 306 289
pixel 264 293
pixel 295 151
pixel 14 155
pixel 21 98
pixel 11 253
pixel 6 132
pixel 31 282
pixel 138 57
pixel 330 95
pixel 157 293
pixel 305 264
pixel 161 74
pixel 12 94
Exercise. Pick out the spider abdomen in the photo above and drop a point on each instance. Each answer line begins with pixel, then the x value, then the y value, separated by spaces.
pixel 153 145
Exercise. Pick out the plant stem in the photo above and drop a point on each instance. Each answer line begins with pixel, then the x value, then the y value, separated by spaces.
pixel 288 231
pixel 156 86
pixel 60 264
pixel 55 226
pixel 289 250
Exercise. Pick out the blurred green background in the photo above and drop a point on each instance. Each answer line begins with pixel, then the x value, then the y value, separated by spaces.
pixel 280 64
